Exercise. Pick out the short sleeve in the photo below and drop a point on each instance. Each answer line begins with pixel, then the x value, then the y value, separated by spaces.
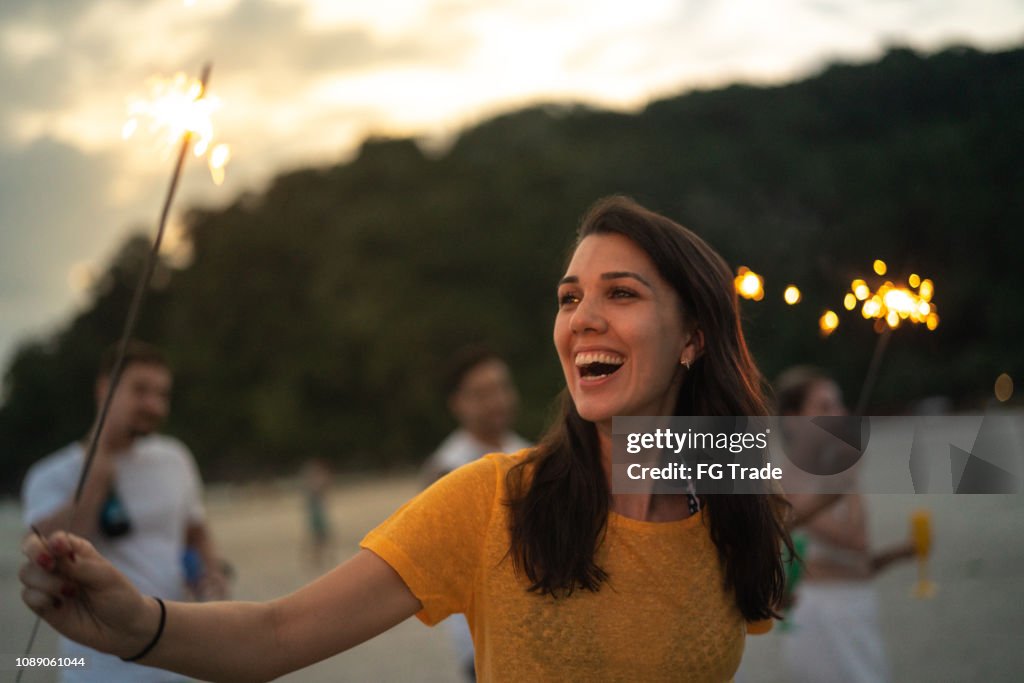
pixel 435 541
pixel 47 488
pixel 760 627
pixel 193 488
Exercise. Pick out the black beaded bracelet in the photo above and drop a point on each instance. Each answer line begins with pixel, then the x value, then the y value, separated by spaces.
pixel 159 632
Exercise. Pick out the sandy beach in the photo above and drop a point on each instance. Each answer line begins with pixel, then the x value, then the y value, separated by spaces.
pixel 970 631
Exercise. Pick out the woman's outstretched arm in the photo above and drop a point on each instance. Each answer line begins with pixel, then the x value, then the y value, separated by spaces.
pixel 85 598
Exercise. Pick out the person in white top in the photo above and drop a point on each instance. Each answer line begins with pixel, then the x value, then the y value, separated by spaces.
pixel 836 632
pixel 483 400
pixel 140 505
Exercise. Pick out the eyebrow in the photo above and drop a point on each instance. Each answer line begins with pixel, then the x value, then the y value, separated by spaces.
pixel 613 275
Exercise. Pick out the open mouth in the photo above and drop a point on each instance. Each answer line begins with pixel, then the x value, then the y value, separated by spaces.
pixel 595 365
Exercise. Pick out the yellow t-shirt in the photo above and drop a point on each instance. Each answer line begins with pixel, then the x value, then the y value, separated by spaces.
pixel 663 615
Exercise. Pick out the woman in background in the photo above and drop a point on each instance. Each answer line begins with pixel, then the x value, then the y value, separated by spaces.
pixel 835 625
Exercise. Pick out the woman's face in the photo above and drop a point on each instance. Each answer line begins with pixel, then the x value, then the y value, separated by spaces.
pixel 823 399
pixel 619 332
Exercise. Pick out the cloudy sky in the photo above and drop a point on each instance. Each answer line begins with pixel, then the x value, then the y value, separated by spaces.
pixel 303 81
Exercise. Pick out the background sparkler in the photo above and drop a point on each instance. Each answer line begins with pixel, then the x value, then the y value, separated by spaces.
pixel 890 306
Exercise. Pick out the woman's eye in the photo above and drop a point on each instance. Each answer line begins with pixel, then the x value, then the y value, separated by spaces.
pixel 622 293
pixel 567 299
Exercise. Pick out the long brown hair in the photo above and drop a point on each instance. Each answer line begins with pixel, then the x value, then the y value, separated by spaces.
pixel 559 495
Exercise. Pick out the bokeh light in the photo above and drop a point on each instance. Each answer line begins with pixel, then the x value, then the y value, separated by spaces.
pixel 1004 387
pixel 828 322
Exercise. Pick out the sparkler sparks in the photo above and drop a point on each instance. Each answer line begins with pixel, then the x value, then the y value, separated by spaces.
pixel 175 106
pixel 860 289
pixel 895 304
pixel 792 295
pixel 828 322
pixel 749 284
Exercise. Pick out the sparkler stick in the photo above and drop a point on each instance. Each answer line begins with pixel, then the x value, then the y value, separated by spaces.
pixel 129 327
pixel 35 626
pixel 873 368
pixel 136 304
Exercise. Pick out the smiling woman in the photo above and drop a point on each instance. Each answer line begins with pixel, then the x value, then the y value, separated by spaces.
pixel 559 577
pixel 650 297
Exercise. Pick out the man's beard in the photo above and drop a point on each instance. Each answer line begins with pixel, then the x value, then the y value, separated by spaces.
pixel 144 426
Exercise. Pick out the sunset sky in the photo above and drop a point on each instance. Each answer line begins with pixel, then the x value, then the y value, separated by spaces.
pixel 304 81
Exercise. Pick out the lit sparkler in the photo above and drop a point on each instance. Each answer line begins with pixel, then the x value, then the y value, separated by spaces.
pixel 889 306
pixel 176 106
pixel 895 304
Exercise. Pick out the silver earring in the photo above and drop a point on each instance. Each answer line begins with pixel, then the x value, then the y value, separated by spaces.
pixel 685 363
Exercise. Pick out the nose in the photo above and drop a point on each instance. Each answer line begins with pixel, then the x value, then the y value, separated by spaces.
pixel 156 403
pixel 588 317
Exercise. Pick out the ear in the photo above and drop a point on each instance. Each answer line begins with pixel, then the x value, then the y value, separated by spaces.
pixel 102 384
pixel 694 348
pixel 457 406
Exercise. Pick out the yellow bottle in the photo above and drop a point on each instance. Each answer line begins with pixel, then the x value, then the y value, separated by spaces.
pixel 921 535
pixel 921 532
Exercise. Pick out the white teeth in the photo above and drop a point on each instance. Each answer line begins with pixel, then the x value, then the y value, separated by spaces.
pixel 588 357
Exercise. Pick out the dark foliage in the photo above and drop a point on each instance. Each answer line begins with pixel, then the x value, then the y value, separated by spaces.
pixel 314 317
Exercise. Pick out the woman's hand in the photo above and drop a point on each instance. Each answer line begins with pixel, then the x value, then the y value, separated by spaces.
pixel 898 553
pixel 67 583
pixel 82 596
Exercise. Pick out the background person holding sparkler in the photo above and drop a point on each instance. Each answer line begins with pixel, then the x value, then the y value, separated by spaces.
pixel 560 577
pixel 835 626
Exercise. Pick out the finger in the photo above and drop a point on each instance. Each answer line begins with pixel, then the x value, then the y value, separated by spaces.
pixel 81 562
pixel 68 545
pixel 68 549
pixel 35 577
pixel 34 549
pixel 38 601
